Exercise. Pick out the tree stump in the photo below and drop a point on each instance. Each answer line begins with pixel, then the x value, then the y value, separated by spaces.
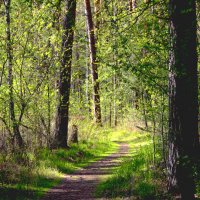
pixel 74 134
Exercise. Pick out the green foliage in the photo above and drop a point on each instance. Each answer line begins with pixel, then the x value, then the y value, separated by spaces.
pixel 132 50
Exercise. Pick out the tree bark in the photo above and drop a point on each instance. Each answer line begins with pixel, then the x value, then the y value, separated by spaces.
pixel 97 8
pixel 132 4
pixel 15 125
pixel 183 98
pixel 94 63
pixel 144 110
pixel 62 118
pixel 163 136
pixel 110 114
pixel 115 106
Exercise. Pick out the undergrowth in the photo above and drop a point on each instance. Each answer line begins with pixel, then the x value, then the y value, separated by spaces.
pixel 29 175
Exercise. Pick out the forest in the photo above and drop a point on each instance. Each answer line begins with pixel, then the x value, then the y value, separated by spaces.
pixel 99 99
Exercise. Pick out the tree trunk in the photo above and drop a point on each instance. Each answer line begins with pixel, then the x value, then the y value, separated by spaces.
pixel 154 138
pixel 110 115
pixel 87 90
pixel 163 136
pixel 144 110
pixel 62 118
pixel 97 7
pixel 74 134
pixel 183 98
pixel 136 102
pixel 15 125
pixel 115 100
pixel 132 5
pixel 94 63
pixel 87 80
pixel 49 111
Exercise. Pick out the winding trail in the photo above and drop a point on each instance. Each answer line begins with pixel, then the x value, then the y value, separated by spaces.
pixel 82 183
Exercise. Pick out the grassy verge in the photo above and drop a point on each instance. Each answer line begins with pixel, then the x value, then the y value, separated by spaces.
pixel 137 176
pixel 44 169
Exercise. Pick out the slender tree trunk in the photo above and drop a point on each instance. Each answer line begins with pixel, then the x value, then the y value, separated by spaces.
pixel 136 102
pixel 94 63
pixel 144 110
pixel 183 98
pixel 163 136
pixel 87 89
pixel 15 125
pixel 110 114
pixel 62 118
pixel 49 111
pixel 115 60
pixel 88 72
pixel 97 7
pixel 132 4
pixel 154 139
pixel 115 100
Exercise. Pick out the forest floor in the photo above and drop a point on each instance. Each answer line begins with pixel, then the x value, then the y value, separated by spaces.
pixel 82 183
pixel 101 168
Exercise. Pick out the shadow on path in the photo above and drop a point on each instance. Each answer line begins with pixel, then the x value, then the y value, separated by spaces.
pixel 81 184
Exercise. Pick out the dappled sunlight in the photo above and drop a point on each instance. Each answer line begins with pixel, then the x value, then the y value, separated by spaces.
pixel 49 172
pixel 81 184
pixel 134 170
pixel 51 167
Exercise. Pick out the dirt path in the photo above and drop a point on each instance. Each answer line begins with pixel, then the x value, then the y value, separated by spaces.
pixel 81 184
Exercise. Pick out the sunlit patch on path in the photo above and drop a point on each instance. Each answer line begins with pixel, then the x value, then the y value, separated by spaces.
pixel 81 184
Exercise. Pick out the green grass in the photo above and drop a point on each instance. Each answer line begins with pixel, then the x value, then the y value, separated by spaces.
pixel 44 168
pixel 134 177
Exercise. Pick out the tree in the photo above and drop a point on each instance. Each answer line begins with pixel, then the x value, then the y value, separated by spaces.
pixel 15 125
pixel 62 118
pixel 183 97
pixel 94 63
